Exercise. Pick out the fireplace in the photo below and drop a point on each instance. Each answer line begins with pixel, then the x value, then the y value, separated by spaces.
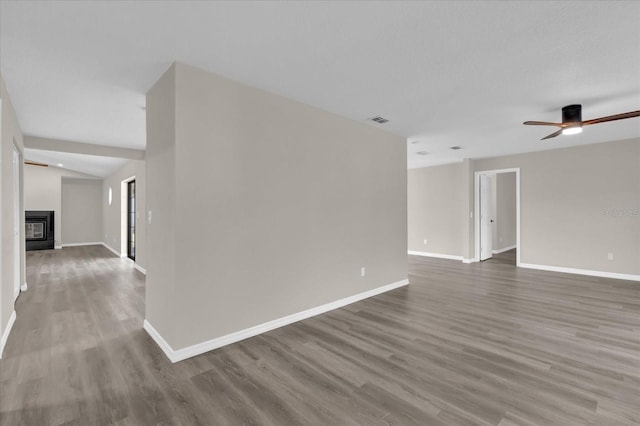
pixel 38 230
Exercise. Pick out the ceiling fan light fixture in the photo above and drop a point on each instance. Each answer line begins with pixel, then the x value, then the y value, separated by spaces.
pixel 572 122
pixel 573 130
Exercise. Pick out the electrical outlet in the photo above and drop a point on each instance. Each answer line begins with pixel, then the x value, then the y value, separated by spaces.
pixel 425 242
pixel 362 271
pixel 610 256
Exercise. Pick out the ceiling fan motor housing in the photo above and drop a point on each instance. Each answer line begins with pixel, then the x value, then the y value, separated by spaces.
pixel 572 114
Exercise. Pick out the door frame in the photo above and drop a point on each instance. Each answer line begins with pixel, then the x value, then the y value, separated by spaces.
pixel 476 202
pixel 17 257
pixel 124 205
pixel 135 222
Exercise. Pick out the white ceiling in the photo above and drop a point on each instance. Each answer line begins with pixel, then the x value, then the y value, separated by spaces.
pixel 443 73
pixel 89 164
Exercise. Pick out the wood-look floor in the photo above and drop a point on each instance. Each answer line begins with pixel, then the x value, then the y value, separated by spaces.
pixel 479 344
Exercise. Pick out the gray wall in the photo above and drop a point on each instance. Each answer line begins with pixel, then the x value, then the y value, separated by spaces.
pixel 274 209
pixel 436 209
pixel 81 211
pixel 112 214
pixel 43 191
pixel 504 210
pixel 162 282
pixel 579 204
pixel 10 135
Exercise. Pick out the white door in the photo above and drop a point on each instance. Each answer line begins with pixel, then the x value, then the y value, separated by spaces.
pixel 16 225
pixel 486 218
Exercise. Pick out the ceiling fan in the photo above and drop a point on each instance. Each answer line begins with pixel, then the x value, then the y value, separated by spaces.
pixel 572 121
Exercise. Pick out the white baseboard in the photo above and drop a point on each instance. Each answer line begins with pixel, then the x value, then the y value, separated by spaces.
pixel 502 250
pixel 157 337
pixel 602 274
pixel 57 247
pixel 121 255
pixel 438 255
pixel 117 253
pixel 7 330
pixel 200 348
pixel 469 260
pixel 23 287
pixel 82 244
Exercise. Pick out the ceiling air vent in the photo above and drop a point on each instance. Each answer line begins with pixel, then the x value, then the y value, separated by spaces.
pixel 455 148
pixel 379 120
pixel 422 153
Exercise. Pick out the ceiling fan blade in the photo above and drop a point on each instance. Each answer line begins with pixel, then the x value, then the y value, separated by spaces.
pixel 542 123
pixel 552 135
pixel 612 118
pixel 33 163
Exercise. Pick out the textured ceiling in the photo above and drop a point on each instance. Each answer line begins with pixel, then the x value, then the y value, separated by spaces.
pixel 443 73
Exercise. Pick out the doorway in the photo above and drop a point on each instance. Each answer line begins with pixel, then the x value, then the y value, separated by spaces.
pixel 131 220
pixel 486 216
pixel 485 191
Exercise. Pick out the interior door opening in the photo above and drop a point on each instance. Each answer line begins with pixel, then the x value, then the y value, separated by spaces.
pixel 131 220
pixel 497 216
